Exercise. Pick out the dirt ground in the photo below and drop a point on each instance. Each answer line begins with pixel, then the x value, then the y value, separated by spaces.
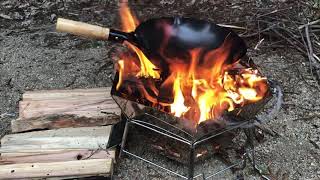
pixel 34 56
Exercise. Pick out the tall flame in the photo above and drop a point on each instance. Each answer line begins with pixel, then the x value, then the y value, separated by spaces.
pixel 128 20
pixel 121 68
pixel 129 24
pixel 178 107
pixel 201 91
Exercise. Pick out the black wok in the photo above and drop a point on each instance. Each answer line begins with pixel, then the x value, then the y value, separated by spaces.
pixel 165 40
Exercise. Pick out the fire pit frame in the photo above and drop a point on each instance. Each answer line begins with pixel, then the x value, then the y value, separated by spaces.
pixel 248 126
pixel 191 144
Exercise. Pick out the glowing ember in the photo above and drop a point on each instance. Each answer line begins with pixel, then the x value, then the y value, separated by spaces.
pixel 200 91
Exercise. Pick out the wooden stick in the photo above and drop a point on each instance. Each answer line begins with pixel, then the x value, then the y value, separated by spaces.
pixel 57 169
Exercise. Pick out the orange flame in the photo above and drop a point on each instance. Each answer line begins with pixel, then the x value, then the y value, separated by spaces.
pixel 128 20
pixel 129 24
pixel 177 107
pixel 201 91
pixel 121 68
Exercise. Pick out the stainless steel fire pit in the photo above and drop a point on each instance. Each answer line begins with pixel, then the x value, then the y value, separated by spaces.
pixel 167 126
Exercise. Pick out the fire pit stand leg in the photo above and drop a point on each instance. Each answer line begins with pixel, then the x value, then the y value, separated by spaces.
pixel 191 162
pixel 250 145
pixel 124 138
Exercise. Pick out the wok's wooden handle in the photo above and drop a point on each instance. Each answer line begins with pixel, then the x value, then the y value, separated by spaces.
pixel 82 29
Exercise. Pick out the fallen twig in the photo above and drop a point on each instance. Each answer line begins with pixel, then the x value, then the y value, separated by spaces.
pixel 274 11
pixel 269 131
pixel 310 23
pixel 232 26
pixel 289 41
pixel 314 144
pixel 310 50
pixel 257 33
pixel 313 63
pixel 258 44
pixel 316 57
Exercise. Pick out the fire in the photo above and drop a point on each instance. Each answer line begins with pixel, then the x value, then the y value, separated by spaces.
pixel 121 68
pixel 128 20
pixel 178 107
pixel 147 68
pixel 249 93
pixel 129 24
pixel 202 90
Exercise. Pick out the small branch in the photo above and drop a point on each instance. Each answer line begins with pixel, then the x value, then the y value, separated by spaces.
pixel 258 44
pixel 269 131
pixel 310 54
pixel 316 57
pixel 257 33
pixel 232 26
pixel 289 41
pixel 273 12
pixel 310 23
